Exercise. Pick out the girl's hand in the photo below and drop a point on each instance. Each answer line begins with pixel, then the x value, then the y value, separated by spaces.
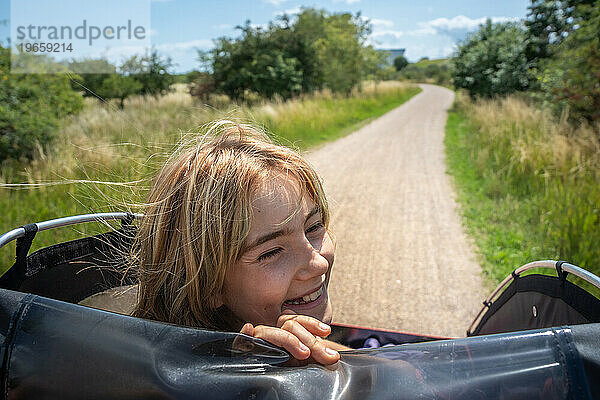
pixel 301 335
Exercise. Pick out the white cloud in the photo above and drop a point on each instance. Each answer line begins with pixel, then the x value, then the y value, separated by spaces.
pixel 388 33
pixel 161 1
pixel 458 27
pixel 260 26
pixel 346 1
pixel 377 23
pixel 289 11
pixel 275 2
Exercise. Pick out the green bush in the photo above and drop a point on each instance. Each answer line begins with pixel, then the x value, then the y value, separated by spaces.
pixel 431 71
pixel 493 60
pixel 570 78
pixel 317 50
pixel 31 106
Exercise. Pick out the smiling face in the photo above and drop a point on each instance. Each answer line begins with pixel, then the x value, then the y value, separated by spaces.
pixel 286 260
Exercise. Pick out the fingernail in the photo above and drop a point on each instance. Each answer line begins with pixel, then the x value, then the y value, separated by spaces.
pixel 303 347
pixel 331 352
pixel 323 326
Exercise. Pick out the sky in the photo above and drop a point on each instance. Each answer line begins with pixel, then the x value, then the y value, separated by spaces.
pixel 178 28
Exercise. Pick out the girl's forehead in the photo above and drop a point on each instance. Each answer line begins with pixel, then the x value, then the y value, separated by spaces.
pixel 279 200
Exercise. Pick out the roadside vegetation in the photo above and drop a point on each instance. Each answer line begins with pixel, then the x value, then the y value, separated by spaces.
pixel 527 184
pixel 124 148
pixel 523 137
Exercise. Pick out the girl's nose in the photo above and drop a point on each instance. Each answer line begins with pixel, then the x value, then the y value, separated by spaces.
pixel 311 263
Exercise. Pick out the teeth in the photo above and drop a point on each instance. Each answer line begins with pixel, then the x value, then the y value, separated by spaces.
pixel 307 298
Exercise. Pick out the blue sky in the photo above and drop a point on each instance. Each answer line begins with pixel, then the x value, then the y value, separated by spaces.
pixel 424 28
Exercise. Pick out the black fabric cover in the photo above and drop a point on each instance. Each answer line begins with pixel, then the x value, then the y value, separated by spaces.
pixel 587 342
pixel 74 270
pixel 557 302
pixel 56 350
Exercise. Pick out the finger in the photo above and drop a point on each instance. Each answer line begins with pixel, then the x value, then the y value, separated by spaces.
pixel 243 343
pixel 283 338
pixel 319 350
pixel 311 324
pixel 247 329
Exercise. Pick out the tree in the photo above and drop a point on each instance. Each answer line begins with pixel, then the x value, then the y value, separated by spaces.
pixel 400 62
pixel 550 22
pixel 120 87
pixel 254 62
pixel 151 71
pixel 342 51
pixel 91 74
pixel 315 51
pixel 31 106
pixel 572 76
pixel 493 60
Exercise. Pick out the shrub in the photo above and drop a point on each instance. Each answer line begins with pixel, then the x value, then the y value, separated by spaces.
pixel 493 60
pixel 30 108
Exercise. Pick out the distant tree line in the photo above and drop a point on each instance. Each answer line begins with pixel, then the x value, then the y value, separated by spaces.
pixel 33 105
pixel 554 55
pixel 309 51
pixel 139 74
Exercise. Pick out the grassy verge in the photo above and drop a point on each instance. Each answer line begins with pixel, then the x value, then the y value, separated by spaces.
pixel 105 144
pixel 527 185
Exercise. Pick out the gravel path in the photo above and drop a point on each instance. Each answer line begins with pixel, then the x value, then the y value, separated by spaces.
pixel 402 259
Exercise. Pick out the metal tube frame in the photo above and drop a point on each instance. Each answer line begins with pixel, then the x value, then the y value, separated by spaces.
pixel 551 264
pixel 65 221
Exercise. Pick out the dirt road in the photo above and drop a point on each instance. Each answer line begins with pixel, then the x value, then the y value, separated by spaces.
pixel 402 259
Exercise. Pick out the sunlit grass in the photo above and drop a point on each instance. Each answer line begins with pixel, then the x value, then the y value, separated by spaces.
pixel 529 186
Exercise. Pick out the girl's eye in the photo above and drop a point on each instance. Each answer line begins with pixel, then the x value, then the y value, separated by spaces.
pixel 269 254
pixel 315 227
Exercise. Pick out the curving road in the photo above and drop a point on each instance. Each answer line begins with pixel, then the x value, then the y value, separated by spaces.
pixel 402 260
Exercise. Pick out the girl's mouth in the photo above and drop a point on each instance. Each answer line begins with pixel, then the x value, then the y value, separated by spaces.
pixel 308 300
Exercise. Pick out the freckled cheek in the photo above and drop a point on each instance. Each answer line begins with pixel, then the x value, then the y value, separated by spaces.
pixel 273 288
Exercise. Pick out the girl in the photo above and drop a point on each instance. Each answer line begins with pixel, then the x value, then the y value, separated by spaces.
pixel 235 237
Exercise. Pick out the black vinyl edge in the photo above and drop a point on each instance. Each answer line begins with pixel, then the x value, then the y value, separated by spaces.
pixel 8 344
pixel 572 363
pixel 548 285
pixel 564 338
pixel 586 339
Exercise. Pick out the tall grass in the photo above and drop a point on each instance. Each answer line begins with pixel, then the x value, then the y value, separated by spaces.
pixel 124 148
pixel 529 184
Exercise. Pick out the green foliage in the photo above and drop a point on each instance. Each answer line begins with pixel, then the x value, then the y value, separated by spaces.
pixel 318 50
pixel 549 22
pixel 571 78
pixel 400 62
pixel 120 87
pixel 254 63
pixel 31 106
pixel 493 60
pixel 433 71
pixel 91 74
pixel 151 71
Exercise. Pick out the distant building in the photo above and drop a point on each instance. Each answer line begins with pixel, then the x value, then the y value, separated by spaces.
pixel 393 53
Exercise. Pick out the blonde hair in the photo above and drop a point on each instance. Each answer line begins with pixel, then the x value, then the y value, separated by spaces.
pixel 198 217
